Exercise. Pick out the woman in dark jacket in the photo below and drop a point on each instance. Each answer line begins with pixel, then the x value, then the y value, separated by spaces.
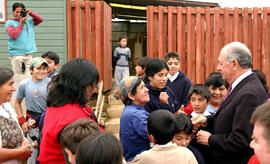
pixel 161 96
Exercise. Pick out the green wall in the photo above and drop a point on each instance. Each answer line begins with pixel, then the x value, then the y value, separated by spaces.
pixel 50 34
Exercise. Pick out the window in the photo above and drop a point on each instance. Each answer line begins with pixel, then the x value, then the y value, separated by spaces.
pixel 3 11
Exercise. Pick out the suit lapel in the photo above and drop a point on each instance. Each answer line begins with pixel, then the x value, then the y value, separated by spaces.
pixel 235 91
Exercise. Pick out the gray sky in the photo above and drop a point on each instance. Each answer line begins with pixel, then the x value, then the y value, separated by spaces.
pixel 239 3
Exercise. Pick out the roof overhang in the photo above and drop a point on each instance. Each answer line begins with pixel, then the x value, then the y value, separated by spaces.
pixel 136 9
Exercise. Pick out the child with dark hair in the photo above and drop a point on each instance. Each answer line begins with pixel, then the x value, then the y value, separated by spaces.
pixel 133 121
pixel 34 91
pixel 218 88
pixel 53 62
pixel 177 81
pixel 161 130
pixel 161 96
pixel 199 96
pixel 74 133
pixel 100 148
pixel 121 56
pixel 141 65
pixel 183 134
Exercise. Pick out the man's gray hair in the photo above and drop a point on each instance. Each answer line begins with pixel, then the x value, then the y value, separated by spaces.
pixel 240 52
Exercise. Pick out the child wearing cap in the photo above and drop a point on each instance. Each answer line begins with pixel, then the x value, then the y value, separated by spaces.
pixel 34 90
pixel 133 122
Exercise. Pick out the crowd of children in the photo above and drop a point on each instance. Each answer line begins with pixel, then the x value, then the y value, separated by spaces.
pixel 156 125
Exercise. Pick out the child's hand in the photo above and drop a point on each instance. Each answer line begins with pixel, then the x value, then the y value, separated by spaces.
pixel 181 110
pixel 198 121
pixel 163 97
pixel 32 124
pixel 25 127
pixel 35 144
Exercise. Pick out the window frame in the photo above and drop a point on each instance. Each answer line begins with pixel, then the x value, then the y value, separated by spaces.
pixel 3 10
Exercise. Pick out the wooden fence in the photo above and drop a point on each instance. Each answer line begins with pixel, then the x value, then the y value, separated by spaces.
pixel 89 35
pixel 198 34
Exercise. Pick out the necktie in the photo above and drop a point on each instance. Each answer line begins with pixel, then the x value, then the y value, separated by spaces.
pixel 229 90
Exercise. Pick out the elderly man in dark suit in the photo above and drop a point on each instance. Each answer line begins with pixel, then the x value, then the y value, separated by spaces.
pixel 230 127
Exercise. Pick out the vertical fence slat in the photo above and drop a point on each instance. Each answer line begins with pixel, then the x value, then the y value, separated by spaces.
pixel 109 76
pixel 174 24
pixel 88 31
pixel 259 43
pixel 93 32
pixel 240 25
pixel 179 34
pixel 245 26
pixel 231 25
pixel 226 25
pixel 150 31
pixel 212 43
pixel 101 61
pixel 165 35
pixel 69 29
pixel 264 41
pixel 170 29
pixel 208 57
pixel 155 35
pixel 268 45
pixel 184 46
pixel 73 24
pixel 189 43
pixel 235 24
pixel 77 29
pixel 250 28
pixel 255 38
pixel 203 34
pixel 160 31
pixel 221 28
pixel 83 30
pixel 193 46
pixel 180 38
pixel 198 57
pixel 217 35
pixel 98 34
